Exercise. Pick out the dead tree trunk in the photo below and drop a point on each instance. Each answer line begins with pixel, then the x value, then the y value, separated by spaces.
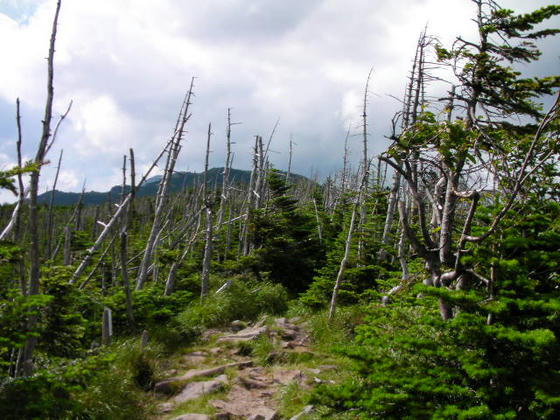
pixel 161 197
pixel 124 241
pixel 51 203
pixel 348 245
pixel 209 206
pixel 116 217
pixel 34 257
pixel 365 163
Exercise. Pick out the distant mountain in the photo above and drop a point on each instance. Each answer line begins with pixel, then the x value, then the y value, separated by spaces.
pixel 179 180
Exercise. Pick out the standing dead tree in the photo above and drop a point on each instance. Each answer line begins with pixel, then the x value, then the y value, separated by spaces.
pixel 209 201
pixel 124 237
pixel 365 169
pixel 412 104
pixel 34 257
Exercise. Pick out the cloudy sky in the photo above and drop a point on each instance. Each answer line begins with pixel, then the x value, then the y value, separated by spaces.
pixel 126 65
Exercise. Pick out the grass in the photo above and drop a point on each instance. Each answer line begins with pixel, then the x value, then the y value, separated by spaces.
pixel 291 400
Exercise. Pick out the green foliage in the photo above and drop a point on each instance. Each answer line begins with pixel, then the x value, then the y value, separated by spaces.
pixel 151 308
pixel 38 397
pixel 7 180
pixel 497 358
pixel 355 288
pixel 286 239
pixel 108 385
pixel 15 313
pixel 62 323
pixel 482 65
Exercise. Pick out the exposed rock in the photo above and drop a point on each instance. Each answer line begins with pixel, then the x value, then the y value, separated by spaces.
pixel 252 383
pixel 307 409
pixel 260 322
pixel 197 389
pixel 166 407
pixel 284 377
pixel 264 414
pixel 193 416
pixel 222 416
pixel 246 334
pixel 172 385
pixel 208 334
pixel 195 357
pixel 238 325
pixel 243 403
pixel 287 344
pixel 289 334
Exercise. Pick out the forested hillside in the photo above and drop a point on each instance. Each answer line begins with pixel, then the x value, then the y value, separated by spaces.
pixel 424 283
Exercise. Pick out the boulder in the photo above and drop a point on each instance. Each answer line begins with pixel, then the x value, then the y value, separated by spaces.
pixel 193 416
pixel 194 390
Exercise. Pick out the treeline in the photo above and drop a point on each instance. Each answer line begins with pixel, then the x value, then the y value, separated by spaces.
pixel 448 245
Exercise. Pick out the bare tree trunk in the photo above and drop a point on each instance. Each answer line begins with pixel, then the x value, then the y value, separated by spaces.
pixel 318 220
pixel 251 200
pixel 289 162
pixel 344 261
pixel 69 223
pixel 67 243
pixel 209 205
pixel 365 163
pixel 170 283
pixel 163 189
pixel 100 262
pixel 391 208
pixel 124 241
pixel 225 180
pixel 116 216
pixel 107 330
pixel 51 203
pixel 34 257
pixel 229 231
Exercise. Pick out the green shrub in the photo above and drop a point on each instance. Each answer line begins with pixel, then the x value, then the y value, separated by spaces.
pixel 38 397
pixel 243 300
pixel 150 307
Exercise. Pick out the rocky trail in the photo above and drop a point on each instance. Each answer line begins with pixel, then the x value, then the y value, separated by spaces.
pixel 255 372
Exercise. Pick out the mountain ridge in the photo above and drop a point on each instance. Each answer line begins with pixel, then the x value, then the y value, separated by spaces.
pixel 179 181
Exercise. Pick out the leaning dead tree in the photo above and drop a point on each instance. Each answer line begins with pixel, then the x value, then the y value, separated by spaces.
pixel 107 227
pixel 348 243
pixel 161 198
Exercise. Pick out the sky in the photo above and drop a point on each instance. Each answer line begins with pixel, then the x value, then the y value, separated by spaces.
pixel 126 65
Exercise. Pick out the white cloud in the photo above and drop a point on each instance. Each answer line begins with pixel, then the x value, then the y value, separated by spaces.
pixel 127 63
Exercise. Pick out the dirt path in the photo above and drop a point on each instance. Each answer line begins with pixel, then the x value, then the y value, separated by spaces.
pixel 240 373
